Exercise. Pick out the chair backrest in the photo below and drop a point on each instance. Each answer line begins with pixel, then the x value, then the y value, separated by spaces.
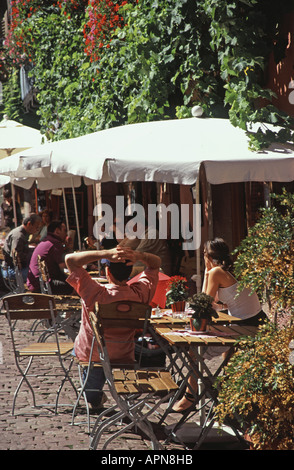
pixel 123 314
pixel 44 277
pixel 29 306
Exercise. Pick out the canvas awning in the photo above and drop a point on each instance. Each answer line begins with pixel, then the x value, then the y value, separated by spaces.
pixel 172 152
pixel 163 151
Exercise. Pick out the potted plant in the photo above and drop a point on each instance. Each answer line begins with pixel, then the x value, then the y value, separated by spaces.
pixel 177 293
pixel 203 311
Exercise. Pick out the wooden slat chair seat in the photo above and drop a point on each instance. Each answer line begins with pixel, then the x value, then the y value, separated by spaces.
pixel 137 392
pixel 46 349
pixel 27 307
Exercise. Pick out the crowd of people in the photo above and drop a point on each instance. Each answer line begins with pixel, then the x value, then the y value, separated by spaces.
pixel 24 244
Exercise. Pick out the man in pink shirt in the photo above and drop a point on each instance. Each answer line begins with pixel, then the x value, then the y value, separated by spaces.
pixel 119 269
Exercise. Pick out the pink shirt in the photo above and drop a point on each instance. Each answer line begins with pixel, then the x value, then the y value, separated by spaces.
pixel 90 291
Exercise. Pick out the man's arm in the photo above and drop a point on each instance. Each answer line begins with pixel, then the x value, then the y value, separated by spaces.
pixel 149 259
pixel 75 261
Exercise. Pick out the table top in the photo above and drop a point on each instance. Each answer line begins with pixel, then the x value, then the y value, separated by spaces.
pixel 166 317
pixel 216 335
pixel 67 302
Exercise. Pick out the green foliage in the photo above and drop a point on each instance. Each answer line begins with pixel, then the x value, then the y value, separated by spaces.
pixel 265 258
pixel 257 388
pixel 11 96
pixel 165 57
pixel 201 304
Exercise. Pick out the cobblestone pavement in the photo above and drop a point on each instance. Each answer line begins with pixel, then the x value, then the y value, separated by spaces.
pixel 36 431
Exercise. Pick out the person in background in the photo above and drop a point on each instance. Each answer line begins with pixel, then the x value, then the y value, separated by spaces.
pixel 52 251
pixel 8 211
pixel 117 272
pixel 147 240
pixel 46 219
pixel 17 245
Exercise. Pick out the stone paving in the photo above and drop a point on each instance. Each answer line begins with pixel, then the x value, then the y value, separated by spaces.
pixel 37 431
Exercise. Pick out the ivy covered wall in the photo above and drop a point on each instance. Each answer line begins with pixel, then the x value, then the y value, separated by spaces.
pixel 102 63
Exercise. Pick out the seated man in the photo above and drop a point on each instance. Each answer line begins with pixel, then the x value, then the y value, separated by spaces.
pixel 118 272
pixel 50 250
pixel 16 243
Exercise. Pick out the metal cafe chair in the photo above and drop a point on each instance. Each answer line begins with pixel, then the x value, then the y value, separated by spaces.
pixel 137 392
pixel 87 366
pixel 69 307
pixel 27 307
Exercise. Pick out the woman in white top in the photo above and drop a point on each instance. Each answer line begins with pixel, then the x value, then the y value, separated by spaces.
pixel 220 284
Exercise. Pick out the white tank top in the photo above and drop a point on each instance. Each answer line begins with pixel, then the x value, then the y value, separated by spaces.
pixel 241 305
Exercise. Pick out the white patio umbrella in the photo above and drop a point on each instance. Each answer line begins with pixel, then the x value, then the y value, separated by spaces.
pixel 168 151
pixel 172 151
pixel 24 170
pixel 15 137
pixel 39 164
pixel 162 151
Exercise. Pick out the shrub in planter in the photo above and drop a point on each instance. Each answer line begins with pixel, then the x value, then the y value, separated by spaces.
pixel 265 258
pixel 258 388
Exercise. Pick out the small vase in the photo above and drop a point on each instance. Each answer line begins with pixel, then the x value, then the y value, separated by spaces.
pixel 178 306
pixel 200 325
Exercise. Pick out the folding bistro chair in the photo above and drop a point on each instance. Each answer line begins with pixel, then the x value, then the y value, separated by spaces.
pixel 137 392
pixel 69 308
pixel 26 307
pixel 89 365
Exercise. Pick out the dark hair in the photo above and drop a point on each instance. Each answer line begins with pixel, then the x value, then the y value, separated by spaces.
pixel 219 251
pixel 33 218
pixel 54 225
pixel 120 271
pixel 7 193
pixel 45 211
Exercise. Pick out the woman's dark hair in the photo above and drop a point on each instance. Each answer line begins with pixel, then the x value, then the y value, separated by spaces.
pixel 219 251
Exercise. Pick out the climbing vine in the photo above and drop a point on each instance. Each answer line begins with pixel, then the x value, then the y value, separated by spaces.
pixel 101 63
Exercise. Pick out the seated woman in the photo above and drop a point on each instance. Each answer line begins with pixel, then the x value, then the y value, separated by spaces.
pixel 220 284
